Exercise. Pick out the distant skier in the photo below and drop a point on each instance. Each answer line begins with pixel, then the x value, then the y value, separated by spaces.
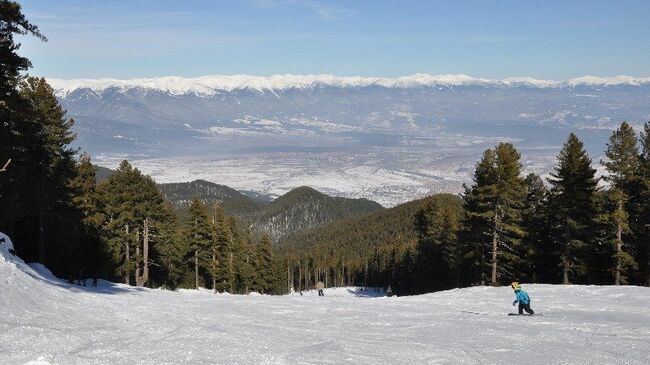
pixel 522 298
pixel 320 286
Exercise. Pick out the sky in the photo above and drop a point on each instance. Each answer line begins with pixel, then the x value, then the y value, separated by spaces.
pixel 493 39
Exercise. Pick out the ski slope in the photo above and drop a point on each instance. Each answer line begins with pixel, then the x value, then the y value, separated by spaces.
pixel 46 321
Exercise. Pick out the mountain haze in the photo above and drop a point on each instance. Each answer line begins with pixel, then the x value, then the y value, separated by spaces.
pixel 388 140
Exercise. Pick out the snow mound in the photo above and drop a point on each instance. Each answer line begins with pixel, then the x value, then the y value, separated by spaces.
pixel 5 244
pixel 42 271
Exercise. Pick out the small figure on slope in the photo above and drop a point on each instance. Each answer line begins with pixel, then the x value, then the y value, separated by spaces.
pixel 320 286
pixel 522 298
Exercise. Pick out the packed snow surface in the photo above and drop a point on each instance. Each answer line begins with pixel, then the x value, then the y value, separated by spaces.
pixel 46 321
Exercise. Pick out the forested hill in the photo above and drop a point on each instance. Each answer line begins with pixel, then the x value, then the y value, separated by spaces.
pixel 299 209
pixel 232 201
pixel 304 208
pixel 361 236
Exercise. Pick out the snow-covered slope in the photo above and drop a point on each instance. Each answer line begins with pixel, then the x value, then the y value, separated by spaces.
pixel 48 321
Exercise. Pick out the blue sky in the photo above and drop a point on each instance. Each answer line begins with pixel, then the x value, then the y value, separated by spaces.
pixel 494 39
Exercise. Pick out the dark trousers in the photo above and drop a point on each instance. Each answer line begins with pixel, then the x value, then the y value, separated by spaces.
pixel 320 293
pixel 525 307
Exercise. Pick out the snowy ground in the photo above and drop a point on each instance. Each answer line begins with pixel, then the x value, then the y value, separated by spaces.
pixel 47 321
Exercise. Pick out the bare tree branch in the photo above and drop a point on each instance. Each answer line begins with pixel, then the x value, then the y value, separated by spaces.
pixel 4 168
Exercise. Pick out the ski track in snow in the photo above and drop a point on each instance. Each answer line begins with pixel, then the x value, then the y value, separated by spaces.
pixel 46 321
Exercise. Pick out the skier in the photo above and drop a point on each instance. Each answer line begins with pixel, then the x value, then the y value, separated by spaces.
pixel 320 286
pixel 522 298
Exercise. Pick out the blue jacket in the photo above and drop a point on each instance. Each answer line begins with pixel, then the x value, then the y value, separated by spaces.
pixel 522 297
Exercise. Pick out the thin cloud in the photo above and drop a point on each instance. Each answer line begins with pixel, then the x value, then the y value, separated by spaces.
pixel 324 11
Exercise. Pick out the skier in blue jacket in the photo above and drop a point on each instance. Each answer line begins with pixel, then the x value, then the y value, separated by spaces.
pixel 522 298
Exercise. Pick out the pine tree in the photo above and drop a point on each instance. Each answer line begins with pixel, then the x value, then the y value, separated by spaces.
pixel 614 220
pixel 623 168
pixel 243 258
pixel 48 165
pixel 534 223
pixel 439 254
pixel 171 249
pixel 264 262
pixel 572 210
pixel 133 206
pixel 87 201
pixel 494 207
pixel 14 111
pixel 479 214
pixel 222 269
pixel 200 237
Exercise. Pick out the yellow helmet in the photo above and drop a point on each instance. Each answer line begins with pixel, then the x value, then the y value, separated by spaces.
pixel 515 285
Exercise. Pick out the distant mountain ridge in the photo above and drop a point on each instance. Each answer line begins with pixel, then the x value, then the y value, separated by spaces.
pixel 214 84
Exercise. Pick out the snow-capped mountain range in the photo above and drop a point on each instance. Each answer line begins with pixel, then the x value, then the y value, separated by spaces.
pixel 215 84
pixel 386 139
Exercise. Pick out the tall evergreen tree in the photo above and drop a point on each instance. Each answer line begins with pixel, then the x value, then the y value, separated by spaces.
pixel 623 164
pixel 50 162
pixel 222 268
pixel 534 223
pixel 494 206
pixel 264 265
pixel 14 111
pixel 439 255
pixel 87 201
pixel 243 260
pixel 572 210
pixel 200 238
pixel 171 249
pixel 133 206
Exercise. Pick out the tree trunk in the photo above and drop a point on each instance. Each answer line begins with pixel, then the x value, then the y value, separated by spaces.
pixel 145 257
pixel 214 272
pixel 249 276
pixel 231 277
pixel 495 241
pixel 143 267
pixel 137 258
pixel 565 270
pixel 41 220
pixel 127 274
pixel 648 264
pixel 299 277
pixel 196 269
pixel 619 249
pixel 41 234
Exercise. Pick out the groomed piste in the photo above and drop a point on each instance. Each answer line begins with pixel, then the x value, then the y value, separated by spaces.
pixel 44 320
